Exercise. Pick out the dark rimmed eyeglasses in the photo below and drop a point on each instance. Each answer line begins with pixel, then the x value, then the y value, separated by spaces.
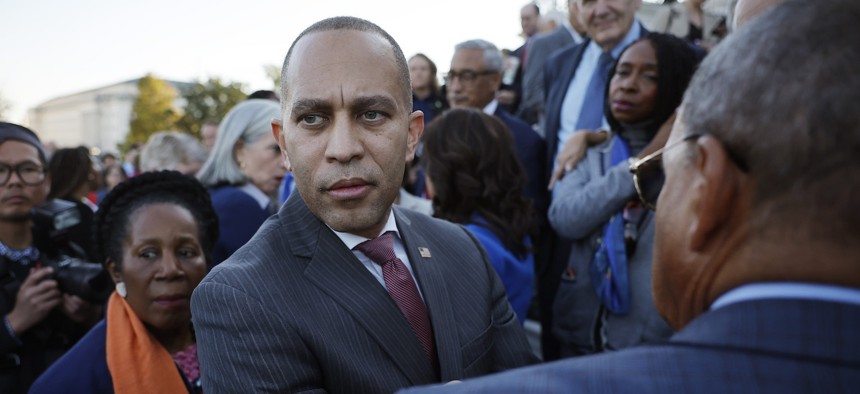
pixel 30 174
pixel 648 175
pixel 466 75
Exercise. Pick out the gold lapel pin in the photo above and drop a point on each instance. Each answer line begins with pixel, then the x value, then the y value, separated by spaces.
pixel 424 252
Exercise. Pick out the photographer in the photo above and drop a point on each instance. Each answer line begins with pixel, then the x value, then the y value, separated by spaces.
pixel 39 321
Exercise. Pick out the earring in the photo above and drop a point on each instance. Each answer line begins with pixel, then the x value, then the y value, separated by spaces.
pixel 242 165
pixel 120 289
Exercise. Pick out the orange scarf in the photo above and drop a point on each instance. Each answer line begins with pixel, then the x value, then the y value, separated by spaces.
pixel 136 361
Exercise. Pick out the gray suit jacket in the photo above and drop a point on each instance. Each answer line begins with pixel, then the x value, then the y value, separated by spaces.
pixel 765 346
pixel 531 104
pixel 295 311
pixel 586 199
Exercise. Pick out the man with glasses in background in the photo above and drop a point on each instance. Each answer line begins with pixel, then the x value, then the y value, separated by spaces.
pixel 756 257
pixel 32 337
pixel 472 82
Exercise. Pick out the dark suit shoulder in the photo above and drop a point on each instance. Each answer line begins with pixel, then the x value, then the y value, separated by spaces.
pixel 253 258
pixel 565 56
pixel 432 227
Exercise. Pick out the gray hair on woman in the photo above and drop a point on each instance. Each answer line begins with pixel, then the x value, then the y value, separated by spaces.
pixel 172 150
pixel 246 123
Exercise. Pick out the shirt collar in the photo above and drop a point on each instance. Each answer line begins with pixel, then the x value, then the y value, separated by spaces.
pixel 257 194
pixel 793 290
pixel 352 240
pixel 490 109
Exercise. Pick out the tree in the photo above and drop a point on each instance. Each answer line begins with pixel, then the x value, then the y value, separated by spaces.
pixel 208 101
pixel 152 111
pixel 274 73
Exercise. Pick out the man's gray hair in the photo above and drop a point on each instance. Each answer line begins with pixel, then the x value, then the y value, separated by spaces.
pixel 781 95
pixel 166 150
pixel 248 121
pixel 355 24
pixel 492 56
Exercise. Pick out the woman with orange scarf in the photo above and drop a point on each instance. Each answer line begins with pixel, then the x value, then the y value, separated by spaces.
pixel 154 233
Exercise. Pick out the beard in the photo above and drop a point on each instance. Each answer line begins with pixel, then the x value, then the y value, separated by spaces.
pixel 15 218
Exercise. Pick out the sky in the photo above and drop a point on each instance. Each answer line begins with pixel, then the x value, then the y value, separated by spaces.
pixel 52 48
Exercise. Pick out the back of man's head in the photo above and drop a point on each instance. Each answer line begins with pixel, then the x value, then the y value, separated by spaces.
pixel 781 95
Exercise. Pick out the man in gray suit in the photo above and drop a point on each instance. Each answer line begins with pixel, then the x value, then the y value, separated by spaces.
pixel 339 292
pixel 571 33
pixel 757 227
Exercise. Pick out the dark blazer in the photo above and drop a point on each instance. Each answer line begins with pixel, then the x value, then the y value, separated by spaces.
pixel 239 217
pixel 294 310
pixel 765 346
pixel 83 369
pixel 533 72
pixel 531 150
pixel 559 70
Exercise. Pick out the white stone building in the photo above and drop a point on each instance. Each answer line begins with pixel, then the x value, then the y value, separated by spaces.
pixel 97 118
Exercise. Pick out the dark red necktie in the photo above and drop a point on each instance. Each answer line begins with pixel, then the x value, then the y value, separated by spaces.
pixel 401 288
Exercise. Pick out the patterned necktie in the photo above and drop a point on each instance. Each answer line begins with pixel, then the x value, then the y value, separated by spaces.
pixel 401 288
pixel 591 114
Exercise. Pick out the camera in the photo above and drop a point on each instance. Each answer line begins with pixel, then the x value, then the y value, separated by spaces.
pixel 52 222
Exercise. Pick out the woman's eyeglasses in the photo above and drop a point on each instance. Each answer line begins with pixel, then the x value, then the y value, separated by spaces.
pixel 648 175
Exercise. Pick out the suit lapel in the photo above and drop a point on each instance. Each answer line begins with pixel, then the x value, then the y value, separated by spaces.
pixel 338 273
pixel 431 280
pixel 570 71
pixel 553 120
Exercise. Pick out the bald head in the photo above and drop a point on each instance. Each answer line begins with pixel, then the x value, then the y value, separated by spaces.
pixel 354 24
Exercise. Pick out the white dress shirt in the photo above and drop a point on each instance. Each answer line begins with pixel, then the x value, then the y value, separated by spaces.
pixel 352 240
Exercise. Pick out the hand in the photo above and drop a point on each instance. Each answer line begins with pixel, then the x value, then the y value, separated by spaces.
pixel 659 140
pixel 36 298
pixel 573 152
pixel 79 310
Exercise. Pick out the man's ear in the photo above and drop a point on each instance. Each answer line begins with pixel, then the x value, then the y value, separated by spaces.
pixel 416 128
pixel 112 270
pixel 278 133
pixel 716 189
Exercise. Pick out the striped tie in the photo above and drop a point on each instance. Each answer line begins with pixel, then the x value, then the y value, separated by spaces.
pixel 401 288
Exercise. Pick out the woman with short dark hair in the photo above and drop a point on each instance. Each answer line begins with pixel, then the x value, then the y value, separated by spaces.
pixel 154 234
pixel 604 297
pixel 475 178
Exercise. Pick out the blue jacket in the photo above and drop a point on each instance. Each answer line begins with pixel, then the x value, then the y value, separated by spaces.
pixel 239 217
pixel 83 369
pixel 517 274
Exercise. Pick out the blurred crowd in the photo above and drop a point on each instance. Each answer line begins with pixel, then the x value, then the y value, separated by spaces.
pixel 548 154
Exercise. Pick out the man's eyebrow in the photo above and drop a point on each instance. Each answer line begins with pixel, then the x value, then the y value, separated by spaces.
pixel 310 105
pixel 376 101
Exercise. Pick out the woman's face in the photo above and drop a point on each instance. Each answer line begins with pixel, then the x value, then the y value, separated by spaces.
pixel 633 88
pixel 114 176
pixel 419 72
pixel 262 163
pixel 162 263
